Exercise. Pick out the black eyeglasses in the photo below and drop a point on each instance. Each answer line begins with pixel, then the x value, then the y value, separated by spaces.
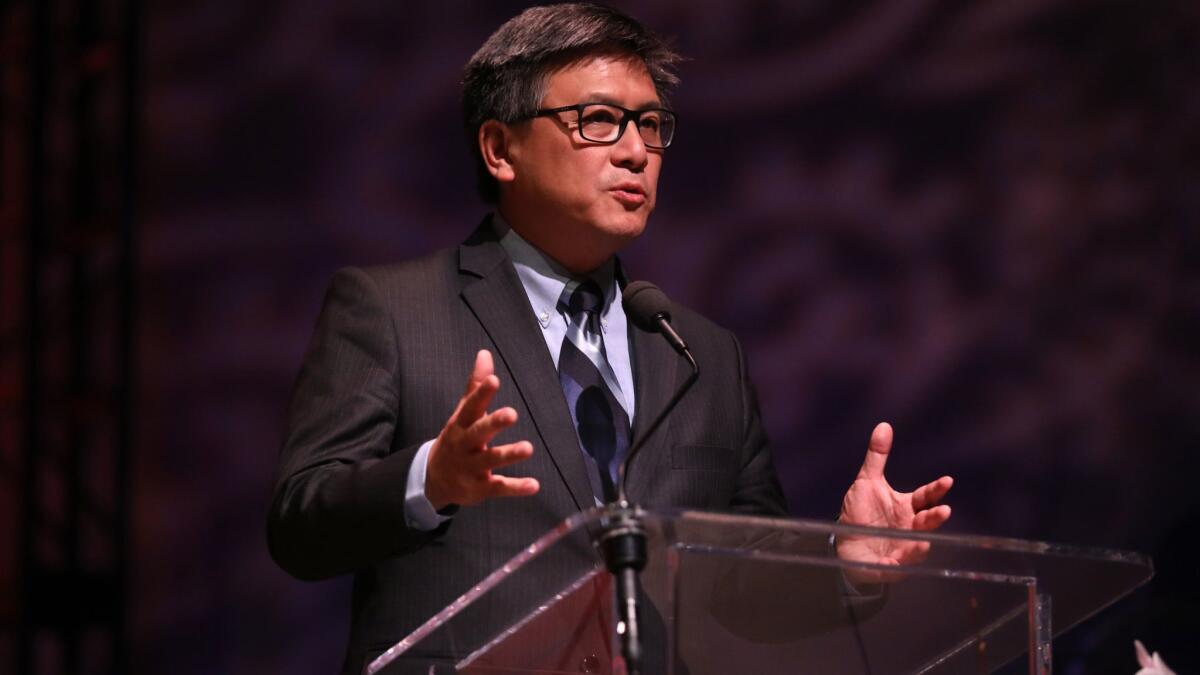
pixel 604 123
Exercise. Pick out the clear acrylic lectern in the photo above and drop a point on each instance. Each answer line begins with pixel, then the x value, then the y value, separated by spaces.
pixel 734 594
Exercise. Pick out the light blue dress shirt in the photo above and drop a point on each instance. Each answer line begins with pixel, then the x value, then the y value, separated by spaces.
pixel 544 281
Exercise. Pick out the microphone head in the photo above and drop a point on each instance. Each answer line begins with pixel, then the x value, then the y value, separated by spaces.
pixel 644 303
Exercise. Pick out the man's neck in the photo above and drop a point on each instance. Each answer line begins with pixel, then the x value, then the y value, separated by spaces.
pixel 574 259
pixel 526 254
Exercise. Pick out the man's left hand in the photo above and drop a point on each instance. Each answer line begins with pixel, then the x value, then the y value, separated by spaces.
pixel 871 501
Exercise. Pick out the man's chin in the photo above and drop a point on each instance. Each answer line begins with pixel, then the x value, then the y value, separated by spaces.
pixel 626 227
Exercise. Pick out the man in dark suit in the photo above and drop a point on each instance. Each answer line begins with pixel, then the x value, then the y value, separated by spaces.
pixel 392 472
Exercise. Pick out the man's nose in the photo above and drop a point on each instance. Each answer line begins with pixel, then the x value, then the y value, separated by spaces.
pixel 630 150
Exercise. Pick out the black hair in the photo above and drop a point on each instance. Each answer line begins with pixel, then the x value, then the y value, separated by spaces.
pixel 505 80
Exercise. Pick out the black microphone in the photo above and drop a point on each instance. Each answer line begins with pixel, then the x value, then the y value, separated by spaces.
pixel 623 538
pixel 651 310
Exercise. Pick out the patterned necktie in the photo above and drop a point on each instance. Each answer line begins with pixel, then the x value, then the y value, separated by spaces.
pixel 588 383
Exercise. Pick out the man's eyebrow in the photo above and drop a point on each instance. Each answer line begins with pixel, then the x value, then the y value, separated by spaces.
pixel 597 97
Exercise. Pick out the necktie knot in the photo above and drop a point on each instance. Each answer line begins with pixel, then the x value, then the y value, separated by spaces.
pixel 586 298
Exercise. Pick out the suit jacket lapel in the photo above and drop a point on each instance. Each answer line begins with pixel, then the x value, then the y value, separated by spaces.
pixel 499 302
pixel 655 371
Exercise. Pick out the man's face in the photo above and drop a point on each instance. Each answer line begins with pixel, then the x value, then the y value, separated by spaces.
pixel 577 200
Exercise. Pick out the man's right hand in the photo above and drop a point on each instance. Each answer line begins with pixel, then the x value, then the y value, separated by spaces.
pixel 461 461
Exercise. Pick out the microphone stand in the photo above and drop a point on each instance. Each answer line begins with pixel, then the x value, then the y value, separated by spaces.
pixel 622 538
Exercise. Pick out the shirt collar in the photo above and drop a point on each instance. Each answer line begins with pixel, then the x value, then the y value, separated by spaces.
pixel 543 278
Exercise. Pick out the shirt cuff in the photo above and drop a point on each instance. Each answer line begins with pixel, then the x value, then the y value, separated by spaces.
pixel 419 514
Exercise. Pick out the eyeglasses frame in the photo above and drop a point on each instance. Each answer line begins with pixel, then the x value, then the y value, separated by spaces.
pixel 627 115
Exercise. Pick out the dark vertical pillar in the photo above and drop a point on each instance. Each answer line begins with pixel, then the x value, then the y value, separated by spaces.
pixel 78 348
pixel 39 88
pixel 128 375
pixel 77 236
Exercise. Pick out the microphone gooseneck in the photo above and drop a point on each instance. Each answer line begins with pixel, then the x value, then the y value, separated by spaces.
pixel 650 310
pixel 623 538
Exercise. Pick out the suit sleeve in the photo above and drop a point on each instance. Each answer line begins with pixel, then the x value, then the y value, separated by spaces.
pixel 338 502
pixel 758 491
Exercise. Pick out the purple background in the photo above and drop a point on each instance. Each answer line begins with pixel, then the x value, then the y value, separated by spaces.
pixel 976 220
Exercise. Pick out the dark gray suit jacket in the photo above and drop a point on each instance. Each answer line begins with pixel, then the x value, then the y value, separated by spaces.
pixel 389 359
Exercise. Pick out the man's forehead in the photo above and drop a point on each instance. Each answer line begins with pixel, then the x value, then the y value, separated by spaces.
pixel 604 78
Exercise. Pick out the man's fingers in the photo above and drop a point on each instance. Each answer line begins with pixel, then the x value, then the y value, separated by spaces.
pixel 479 372
pixel 508 486
pixel 484 429
pixel 931 493
pixel 503 455
pixel 482 368
pixel 475 403
pixel 877 452
pixel 913 553
pixel 931 519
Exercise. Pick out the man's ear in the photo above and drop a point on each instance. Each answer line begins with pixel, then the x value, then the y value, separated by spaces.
pixel 495 146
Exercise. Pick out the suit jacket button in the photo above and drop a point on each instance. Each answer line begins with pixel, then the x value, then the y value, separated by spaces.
pixel 589 664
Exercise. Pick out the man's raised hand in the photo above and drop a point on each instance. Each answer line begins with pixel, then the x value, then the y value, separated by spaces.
pixel 871 501
pixel 461 461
